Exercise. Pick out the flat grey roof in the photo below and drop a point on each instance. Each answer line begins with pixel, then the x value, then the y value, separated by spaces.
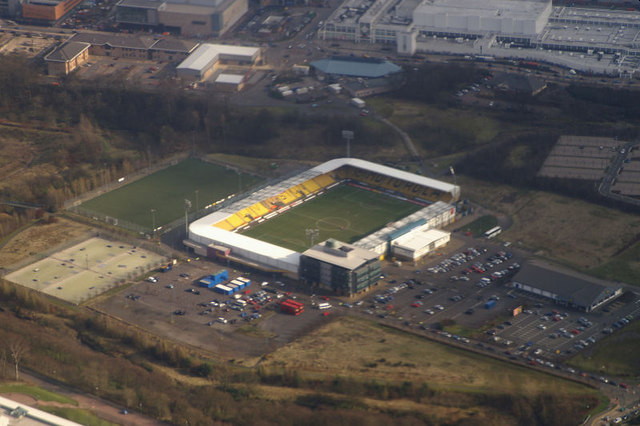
pixel 147 4
pixel 519 9
pixel 570 286
pixel 115 40
pixel 175 45
pixel 340 254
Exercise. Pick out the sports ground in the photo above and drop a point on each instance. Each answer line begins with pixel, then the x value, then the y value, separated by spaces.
pixel 165 191
pixel 86 270
pixel 346 213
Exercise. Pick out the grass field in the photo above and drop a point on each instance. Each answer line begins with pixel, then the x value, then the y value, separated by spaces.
pixel 165 191
pixel 86 269
pixel 36 392
pixel 617 355
pixel 360 350
pixel 345 213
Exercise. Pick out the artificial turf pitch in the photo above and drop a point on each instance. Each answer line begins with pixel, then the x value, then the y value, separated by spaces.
pixel 165 192
pixel 346 213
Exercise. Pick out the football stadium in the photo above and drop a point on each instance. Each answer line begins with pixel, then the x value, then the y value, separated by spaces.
pixel 354 206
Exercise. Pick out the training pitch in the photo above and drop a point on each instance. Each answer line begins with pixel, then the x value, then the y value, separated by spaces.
pixel 86 270
pixel 159 198
pixel 346 213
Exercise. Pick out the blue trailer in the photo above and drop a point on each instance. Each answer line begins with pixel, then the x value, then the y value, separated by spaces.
pixel 490 304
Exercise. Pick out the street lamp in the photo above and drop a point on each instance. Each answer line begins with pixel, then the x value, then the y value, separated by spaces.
pixel 187 206
pixel 153 222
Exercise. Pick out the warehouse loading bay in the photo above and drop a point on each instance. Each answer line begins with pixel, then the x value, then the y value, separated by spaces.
pixel 417 298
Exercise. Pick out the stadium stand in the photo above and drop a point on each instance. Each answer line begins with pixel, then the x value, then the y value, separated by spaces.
pixel 408 189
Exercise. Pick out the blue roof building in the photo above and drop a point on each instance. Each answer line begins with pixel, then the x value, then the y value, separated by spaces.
pixel 351 66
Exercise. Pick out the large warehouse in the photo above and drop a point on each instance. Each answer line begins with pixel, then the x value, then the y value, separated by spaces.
pixel 591 40
pixel 219 234
pixel 565 287
pixel 192 18
pixel 203 61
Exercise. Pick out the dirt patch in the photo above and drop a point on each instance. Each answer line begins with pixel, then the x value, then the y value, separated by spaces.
pixel 567 230
pixel 357 348
pixel 40 238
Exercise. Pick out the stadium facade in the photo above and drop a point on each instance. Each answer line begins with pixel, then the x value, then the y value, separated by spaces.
pixel 217 234
pixel 594 40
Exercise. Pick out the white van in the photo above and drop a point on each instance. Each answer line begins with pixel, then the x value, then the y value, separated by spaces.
pixel 324 305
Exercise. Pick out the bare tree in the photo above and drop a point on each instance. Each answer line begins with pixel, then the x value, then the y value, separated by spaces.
pixel 17 348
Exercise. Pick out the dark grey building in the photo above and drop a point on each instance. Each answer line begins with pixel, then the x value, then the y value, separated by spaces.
pixel 340 267
pixel 565 287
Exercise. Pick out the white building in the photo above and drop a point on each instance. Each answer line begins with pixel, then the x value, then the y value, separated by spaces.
pixel 521 17
pixel 415 245
pixel 203 61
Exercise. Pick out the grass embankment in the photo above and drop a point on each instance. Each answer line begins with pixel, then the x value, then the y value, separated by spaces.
pixel 438 131
pixel 84 417
pixel 361 352
pixel 617 355
pixel 36 392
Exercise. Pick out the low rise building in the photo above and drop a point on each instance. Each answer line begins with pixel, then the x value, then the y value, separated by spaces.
pixel 565 287
pixel 67 58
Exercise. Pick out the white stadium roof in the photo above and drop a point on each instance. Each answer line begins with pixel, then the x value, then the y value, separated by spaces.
pixel 387 171
pixel 203 231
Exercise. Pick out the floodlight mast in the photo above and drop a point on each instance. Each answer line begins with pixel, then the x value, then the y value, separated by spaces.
pixel 348 136
pixel 187 206
pixel 312 234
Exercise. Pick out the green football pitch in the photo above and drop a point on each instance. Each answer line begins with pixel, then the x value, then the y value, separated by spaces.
pixel 346 213
pixel 165 192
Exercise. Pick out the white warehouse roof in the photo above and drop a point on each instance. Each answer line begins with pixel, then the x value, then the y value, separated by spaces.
pixel 417 240
pixel 203 57
pixel 229 79
pixel 207 54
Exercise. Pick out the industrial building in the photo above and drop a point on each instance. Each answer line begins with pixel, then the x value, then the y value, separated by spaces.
pixel 339 267
pixel 198 18
pixel 417 244
pixel 219 229
pixel 591 40
pixel 201 64
pixel 565 287
pixel 229 82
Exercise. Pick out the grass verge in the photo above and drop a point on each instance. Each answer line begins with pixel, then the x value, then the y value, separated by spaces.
pixel 84 417
pixel 36 392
